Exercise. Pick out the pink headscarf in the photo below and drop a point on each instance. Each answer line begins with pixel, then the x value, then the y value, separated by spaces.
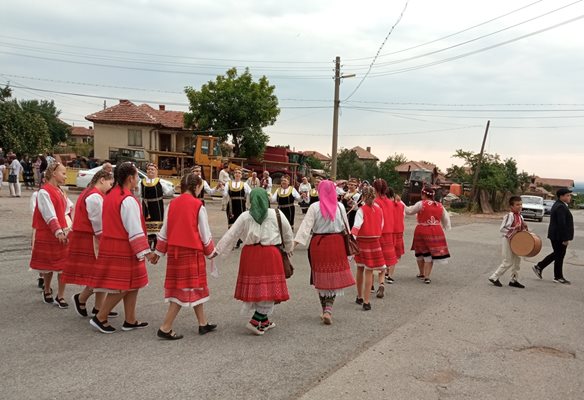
pixel 327 196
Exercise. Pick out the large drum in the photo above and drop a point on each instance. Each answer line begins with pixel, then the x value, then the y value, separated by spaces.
pixel 525 244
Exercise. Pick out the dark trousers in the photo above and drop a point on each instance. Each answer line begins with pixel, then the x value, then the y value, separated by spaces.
pixel 557 256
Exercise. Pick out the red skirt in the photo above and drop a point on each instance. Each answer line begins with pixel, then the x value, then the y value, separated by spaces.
pixel 429 240
pixel 261 275
pixel 328 262
pixel 398 243
pixel 185 268
pixel 187 297
pixel 47 253
pixel 117 267
pixel 388 249
pixel 370 253
pixel 81 259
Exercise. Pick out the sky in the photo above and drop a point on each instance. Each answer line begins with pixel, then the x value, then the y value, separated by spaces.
pixel 447 68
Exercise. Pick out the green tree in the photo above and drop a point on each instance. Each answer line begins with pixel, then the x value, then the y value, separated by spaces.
pixel 58 130
pixel 234 105
pixel 314 163
pixel 349 165
pixel 5 93
pixel 388 172
pixel 21 131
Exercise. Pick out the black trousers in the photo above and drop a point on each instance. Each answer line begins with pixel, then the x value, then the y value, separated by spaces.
pixel 557 257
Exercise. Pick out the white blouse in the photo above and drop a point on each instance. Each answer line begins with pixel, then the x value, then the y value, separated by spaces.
pixel 285 192
pixel 314 222
pixel 203 224
pixel 416 208
pixel 304 188
pixel 250 232
pixel 46 207
pixel 94 207
pixel 132 221
pixel 236 185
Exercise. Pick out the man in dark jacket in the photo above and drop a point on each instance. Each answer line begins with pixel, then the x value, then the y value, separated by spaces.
pixel 560 232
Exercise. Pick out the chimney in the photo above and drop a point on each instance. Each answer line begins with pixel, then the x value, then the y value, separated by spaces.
pixel 161 107
pixel 368 149
pixel 124 101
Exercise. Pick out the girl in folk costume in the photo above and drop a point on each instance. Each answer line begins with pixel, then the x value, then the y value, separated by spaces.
pixel 120 270
pixel 236 192
pixel 285 197
pixel 152 202
pixel 84 239
pixel 186 239
pixel 367 230
pixel 429 243
pixel 351 201
pixel 326 222
pixel 304 189
pixel 399 215
pixel 49 250
pixel 196 170
pixel 261 281
pixel 387 235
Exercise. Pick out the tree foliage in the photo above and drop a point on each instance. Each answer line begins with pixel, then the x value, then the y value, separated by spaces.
pixel 387 171
pixel 58 130
pixel 21 131
pixel 234 105
pixel 349 165
pixel 314 163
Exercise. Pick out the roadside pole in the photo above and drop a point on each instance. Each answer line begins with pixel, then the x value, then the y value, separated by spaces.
pixel 474 192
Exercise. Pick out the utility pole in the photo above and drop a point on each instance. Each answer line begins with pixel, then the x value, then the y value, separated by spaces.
pixel 336 118
pixel 475 192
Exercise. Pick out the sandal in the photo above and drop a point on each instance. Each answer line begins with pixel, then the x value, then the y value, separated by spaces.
pixel 420 276
pixel 61 303
pixel 427 281
pixel 171 335
pixel 48 297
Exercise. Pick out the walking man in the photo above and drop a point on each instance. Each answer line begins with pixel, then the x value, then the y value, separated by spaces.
pixel 560 232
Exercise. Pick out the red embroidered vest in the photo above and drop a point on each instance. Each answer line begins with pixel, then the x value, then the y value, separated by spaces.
pixel 59 203
pixel 81 223
pixel 398 216
pixel 113 226
pixel 183 222
pixel 388 213
pixel 431 213
pixel 372 218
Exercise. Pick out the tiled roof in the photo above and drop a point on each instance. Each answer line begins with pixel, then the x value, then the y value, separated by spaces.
pixel 414 165
pixel 127 112
pixel 81 131
pixel 363 154
pixel 554 182
pixel 316 155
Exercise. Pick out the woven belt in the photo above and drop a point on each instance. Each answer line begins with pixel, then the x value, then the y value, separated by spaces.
pixel 153 200
pixel 285 205
pixel 238 198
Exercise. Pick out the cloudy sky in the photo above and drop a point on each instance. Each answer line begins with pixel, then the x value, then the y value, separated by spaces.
pixel 447 68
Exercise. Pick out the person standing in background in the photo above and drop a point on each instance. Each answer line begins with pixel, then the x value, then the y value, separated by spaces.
pixel 224 179
pixel 15 169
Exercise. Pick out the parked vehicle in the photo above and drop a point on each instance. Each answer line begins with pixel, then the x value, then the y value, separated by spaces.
pixel 416 181
pixel 532 207
pixel 547 206
pixel 84 176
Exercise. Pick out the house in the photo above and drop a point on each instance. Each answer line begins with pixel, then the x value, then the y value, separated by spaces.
pixel 129 127
pixel 364 154
pixel 551 184
pixel 325 160
pixel 81 134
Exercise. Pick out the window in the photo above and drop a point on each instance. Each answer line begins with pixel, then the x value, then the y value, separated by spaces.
pixel 135 137
pixel 205 146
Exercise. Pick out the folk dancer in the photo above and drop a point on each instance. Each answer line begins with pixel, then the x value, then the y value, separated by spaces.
pixel 387 237
pixel 50 245
pixel 324 225
pixel 429 242
pixel 313 194
pixel 253 181
pixel 185 238
pixel 84 242
pixel 224 178
pixel 266 182
pixel 152 203
pixel 261 282
pixel 367 230
pixel 304 189
pixel 351 200
pixel 120 270
pixel 206 188
pixel 399 215
pixel 285 197
pixel 236 193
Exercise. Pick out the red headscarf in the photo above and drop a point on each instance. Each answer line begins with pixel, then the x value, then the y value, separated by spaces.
pixel 327 196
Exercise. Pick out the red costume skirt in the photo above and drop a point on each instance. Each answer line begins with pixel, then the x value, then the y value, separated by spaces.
pixel 398 242
pixel 388 249
pixel 370 253
pixel 329 265
pixel 47 253
pixel 261 275
pixel 117 267
pixel 81 259
pixel 429 240
pixel 186 276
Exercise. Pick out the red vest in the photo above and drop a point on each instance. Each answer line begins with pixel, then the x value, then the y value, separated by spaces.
pixel 431 213
pixel 112 216
pixel 182 224
pixel 372 218
pixel 59 203
pixel 388 213
pixel 81 223
pixel 398 217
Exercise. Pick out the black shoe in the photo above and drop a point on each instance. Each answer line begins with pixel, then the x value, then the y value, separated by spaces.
pixel 389 279
pixel 562 281
pixel 536 271
pixel 82 312
pixel 366 306
pixel 137 325
pixel 495 282
pixel 207 328
pixel 427 281
pixel 372 288
pixel 41 283
pixel 359 301
pixel 172 335
pixel 112 314
pixel 48 297
pixel 516 284
pixel 100 326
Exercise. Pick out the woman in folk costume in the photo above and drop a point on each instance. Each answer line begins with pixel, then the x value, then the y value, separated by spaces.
pixel 367 230
pixel 120 270
pixel 236 192
pixel 83 241
pixel 313 194
pixel 261 282
pixel 285 196
pixel 304 189
pixel 386 240
pixel 185 238
pixel 152 202
pixel 326 222
pixel 351 200
pixel 429 243
pixel 197 170
pixel 399 215
pixel 49 250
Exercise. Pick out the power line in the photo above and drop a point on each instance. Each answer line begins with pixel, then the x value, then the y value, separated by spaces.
pixel 378 134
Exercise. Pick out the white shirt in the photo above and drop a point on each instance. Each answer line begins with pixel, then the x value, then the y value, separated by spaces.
pixel 203 224
pixel 236 185
pixel 15 168
pixel 285 192
pixel 250 232
pixel 505 228
pixel 46 207
pixel 224 176
pixel 132 221
pixel 94 207
pixel 304 188
pixel 416 208
pixel 314 222
pixel 207 189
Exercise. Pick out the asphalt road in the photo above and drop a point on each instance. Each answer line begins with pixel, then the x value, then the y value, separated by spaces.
pixel 459 337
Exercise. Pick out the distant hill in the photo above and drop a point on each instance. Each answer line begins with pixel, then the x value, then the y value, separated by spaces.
pixel 579 187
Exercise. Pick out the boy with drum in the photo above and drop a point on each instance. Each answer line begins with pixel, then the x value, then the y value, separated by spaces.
pixel 512 223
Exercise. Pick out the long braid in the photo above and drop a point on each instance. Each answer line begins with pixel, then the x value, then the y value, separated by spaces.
pixel 122 172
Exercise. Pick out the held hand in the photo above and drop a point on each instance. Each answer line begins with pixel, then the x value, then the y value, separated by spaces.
pixel 212 256
pixel 62 238
pixel 397 198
